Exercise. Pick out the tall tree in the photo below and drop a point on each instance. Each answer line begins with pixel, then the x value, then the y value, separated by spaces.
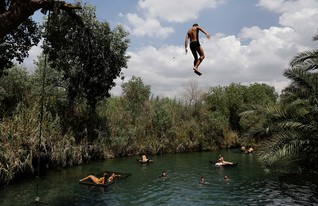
pixel 90 56
pixel 192 93
pixel 136 93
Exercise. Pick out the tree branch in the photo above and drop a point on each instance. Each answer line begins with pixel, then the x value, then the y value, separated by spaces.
pixel 21 10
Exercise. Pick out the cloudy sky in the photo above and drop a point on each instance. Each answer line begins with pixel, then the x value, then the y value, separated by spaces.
pixel 252 40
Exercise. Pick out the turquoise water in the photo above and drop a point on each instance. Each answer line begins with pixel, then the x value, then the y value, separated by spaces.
pixel 249 184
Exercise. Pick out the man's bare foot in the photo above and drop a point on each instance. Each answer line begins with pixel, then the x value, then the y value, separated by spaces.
pixel 197 71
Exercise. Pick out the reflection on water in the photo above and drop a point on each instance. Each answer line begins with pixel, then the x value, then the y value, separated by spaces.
pixel 249 184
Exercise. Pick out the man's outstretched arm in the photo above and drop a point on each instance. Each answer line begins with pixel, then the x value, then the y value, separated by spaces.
pixel 206 33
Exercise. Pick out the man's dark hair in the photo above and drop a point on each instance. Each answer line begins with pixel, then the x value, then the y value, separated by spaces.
pixel 195 24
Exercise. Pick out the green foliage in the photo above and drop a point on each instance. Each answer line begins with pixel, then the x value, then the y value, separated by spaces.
pixel 260 94
pixel 290 130
pixel 15 88
pixel 289 134
pixel 55 97
pixel 21 143
pixel 89 58
pixel 138 124
pixel 162 118
pixel 231 100
pixel 136 93
pixel 16 45
pixel 130 124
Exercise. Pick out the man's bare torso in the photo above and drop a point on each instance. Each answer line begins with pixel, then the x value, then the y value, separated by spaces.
pixel 193 33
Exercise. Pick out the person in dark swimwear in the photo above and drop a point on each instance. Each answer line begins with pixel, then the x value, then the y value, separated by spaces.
pixel 195 47
pixel 163 175
pixel 202 181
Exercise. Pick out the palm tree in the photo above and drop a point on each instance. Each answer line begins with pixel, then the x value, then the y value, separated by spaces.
pixel 291 128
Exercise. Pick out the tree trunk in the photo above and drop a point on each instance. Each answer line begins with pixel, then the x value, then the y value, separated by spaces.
pixel 21 10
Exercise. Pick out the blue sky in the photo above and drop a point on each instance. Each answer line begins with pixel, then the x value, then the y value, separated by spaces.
pixel 252 40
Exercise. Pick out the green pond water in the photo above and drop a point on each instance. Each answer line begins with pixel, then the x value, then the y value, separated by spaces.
pixel 249 183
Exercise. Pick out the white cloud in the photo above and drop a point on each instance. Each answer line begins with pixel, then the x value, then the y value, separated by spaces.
pixel 262 58
pixel 254 55
pixel 147 27
pixel 165 69
pixel 304 21
pixel 301 15
pixel 170 11
pixel 176 10
pixel 272 5
pixel 282 6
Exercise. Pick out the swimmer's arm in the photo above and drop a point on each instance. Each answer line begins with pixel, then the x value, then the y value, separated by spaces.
pixel 206 33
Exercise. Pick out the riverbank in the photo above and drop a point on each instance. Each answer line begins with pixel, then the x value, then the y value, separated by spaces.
pixel 19 154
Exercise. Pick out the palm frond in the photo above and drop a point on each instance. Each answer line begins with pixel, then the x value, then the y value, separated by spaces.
pixel 299 77
pixel 283 145
pixel 304 57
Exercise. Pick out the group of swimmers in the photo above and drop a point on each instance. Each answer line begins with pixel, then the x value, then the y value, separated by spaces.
pixel 249 150
pixel 202 179
pixel 107 179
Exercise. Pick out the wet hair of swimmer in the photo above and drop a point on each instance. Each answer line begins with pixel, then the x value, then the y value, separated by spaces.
pixel 105 175
pixel 195 24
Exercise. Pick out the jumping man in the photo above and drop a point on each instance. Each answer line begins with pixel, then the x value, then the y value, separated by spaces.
pixel 193 35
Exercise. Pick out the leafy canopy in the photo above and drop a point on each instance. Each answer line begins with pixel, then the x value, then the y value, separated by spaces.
pixel 90 56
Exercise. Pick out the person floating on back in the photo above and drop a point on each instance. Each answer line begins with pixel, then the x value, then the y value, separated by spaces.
pixel 102 180
pixel 195 47
pixel 96 180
